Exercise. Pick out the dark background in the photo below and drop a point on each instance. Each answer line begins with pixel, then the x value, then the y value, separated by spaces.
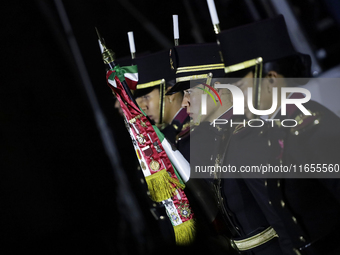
pixel 58 193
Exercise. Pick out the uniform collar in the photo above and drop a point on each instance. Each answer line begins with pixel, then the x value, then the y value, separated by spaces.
pixel 181 115
pixel 226 115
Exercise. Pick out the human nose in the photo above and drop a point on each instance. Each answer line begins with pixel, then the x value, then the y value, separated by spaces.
pixel 186 101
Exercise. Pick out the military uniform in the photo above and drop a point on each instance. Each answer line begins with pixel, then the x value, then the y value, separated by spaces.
pixel 247 49
pixel 210 144
pixel 159 230
pixel 309 208
pixel 240 216
pixel 241 210
pixel 200 63
pixel 306 210
pixel 178 132
pixel 155 73
pixel 246 200
pixel 303 212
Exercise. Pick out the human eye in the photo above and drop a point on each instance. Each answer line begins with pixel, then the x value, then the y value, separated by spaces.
pixel 188 91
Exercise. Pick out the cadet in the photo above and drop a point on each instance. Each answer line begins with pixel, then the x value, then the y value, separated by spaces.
pixel 303 212
pixel 155 78
pixel 211 142
pixel 197 76
pixel 198 67
pixel 159 231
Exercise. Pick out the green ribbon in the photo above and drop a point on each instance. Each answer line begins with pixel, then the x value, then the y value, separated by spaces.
pixel 120 71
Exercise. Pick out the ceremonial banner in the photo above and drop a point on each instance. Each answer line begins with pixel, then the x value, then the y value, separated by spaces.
pixel 164 183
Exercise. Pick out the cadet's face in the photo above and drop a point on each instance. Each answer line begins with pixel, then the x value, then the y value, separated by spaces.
pixel 194 95
pixel 150 104
pixel 186 100
pixel 192 101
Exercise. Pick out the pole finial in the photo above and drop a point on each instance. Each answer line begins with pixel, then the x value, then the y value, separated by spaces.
pixel 107 54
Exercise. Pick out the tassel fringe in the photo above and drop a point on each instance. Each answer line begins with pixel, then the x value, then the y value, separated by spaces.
pixel 162 186
pixel 185 232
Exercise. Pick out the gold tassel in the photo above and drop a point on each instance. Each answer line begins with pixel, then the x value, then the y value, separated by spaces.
pixel 185 232
pixel 160 185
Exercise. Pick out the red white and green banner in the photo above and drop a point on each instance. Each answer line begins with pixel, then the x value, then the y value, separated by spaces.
pixel 164 183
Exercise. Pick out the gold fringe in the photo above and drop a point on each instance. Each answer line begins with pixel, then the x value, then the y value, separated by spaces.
pixel 161 185
pixel 185 232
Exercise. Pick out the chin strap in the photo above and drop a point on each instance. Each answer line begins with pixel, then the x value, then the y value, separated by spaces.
pixel 198 121
pixel 162 91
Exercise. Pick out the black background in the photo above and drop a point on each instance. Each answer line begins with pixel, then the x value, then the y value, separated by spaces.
pixel 57 190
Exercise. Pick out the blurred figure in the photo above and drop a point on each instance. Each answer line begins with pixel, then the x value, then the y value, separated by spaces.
pixel 118 108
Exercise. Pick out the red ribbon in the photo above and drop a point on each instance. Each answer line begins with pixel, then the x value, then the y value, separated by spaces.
pixel 131 112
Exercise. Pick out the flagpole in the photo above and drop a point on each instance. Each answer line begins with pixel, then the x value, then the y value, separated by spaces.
pixel 109 58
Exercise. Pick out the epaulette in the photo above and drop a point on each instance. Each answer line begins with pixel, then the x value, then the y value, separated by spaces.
pixel 240 127
pixel 184 131
pixel 305 122
pixel 227 115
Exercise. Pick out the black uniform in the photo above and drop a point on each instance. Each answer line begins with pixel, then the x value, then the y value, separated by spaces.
pixel 242 215
pixel 240 208
pixel 208 144
pixel 309 208
pixel 178 133
pixel 257 48
pixel 304 212
pixel 247 199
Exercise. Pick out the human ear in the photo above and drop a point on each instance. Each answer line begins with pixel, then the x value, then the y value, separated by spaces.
pixel 272 76
pixel 272 80
pixel 171 98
